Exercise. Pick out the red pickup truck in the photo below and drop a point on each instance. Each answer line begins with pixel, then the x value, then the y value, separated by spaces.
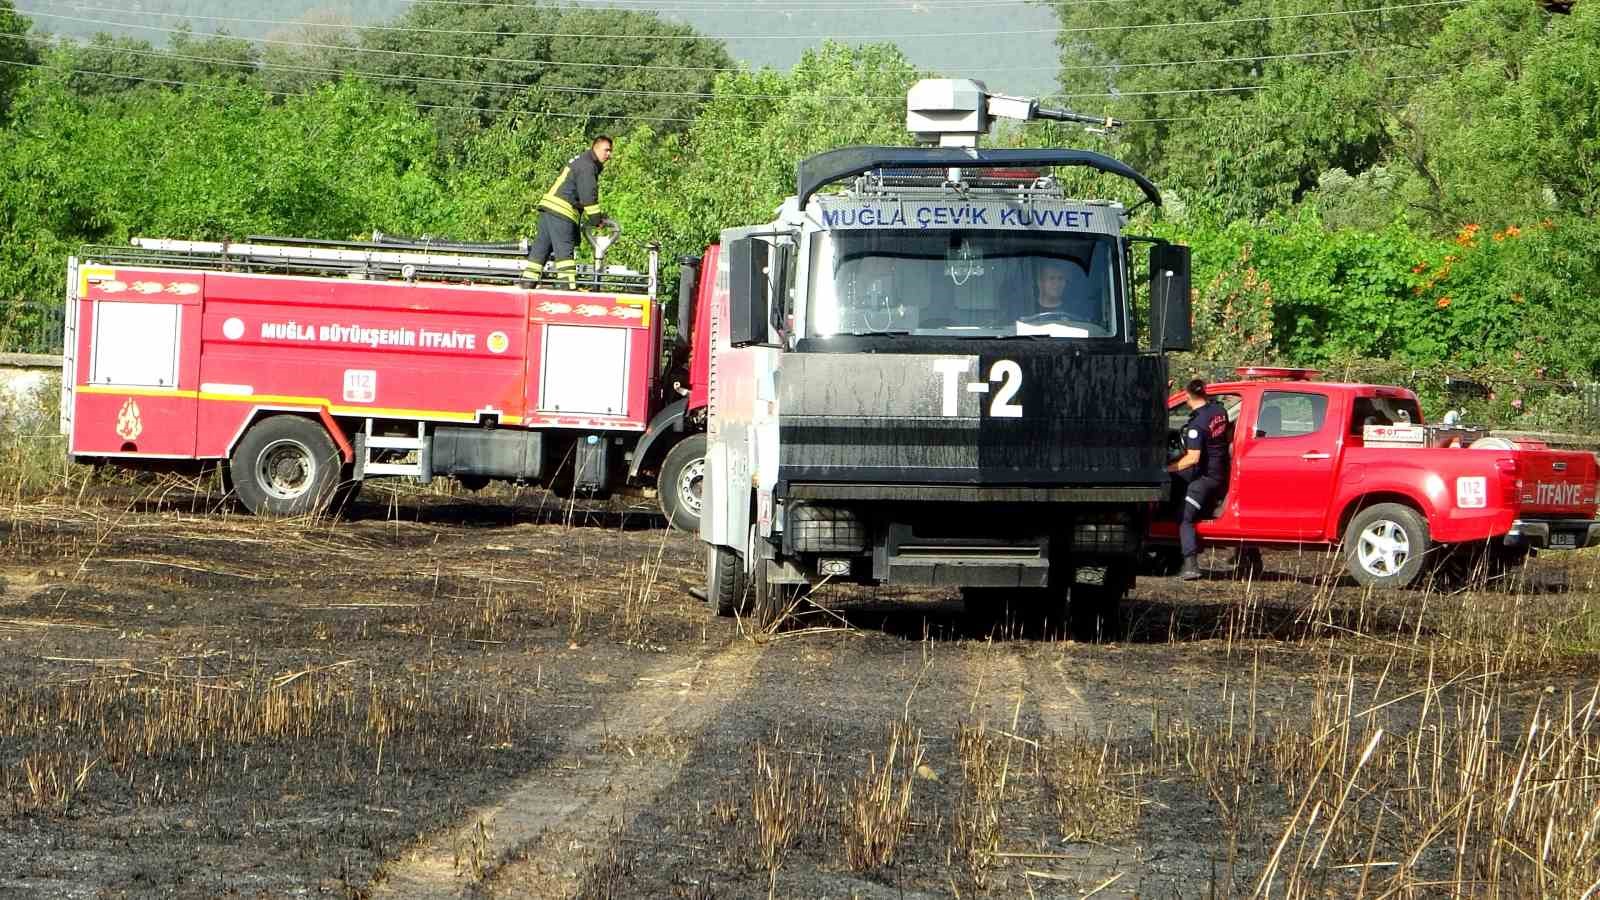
pixel 1331 465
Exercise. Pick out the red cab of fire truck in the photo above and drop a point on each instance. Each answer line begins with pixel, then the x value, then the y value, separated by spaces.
pixel 311 366
pixel 1354 466
pixel 935 376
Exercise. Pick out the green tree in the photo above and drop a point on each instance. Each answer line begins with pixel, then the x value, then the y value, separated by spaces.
pixel 1246 112
pixel 113 65
pixel 202 163
pixel 16 52
pixel 1512 134
pixel 737 162
pixel 601 66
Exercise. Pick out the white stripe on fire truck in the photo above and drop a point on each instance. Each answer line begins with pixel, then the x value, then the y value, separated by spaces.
pixel 230 390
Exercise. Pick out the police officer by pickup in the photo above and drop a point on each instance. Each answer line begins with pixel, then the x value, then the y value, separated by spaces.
pixel 573 200
pixel 1202 470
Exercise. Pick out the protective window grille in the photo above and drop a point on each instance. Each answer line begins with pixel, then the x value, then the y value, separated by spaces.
pixel 31 326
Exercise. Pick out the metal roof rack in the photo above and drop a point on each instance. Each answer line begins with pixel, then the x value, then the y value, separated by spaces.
pixel 445 261
pixel 824 169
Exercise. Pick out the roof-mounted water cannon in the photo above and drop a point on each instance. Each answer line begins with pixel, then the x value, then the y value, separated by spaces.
pixel 955 112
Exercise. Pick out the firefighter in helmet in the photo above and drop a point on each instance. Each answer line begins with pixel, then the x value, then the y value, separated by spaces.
pixel 572 201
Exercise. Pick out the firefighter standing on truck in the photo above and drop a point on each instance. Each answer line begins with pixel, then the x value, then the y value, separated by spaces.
pixel 573 200
pixel 1202 471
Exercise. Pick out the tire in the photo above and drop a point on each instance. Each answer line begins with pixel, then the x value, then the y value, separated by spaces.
pixel 1386 546
pixel 1013 610
pixel 768 601
pixel 1478 566
pixel 1094 609
pixel 1160 562
pixel 725 581
pixel 1249 565
pixel 679 486
pixel 285 466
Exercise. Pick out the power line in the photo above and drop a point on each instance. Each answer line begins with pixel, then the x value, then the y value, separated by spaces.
pixel 630 92
pixel 914 6
pixel 1117 66
pixel 745 37
pixel 624 118
pixel 590 65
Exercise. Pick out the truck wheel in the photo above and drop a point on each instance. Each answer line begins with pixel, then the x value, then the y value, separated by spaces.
pixel 1386 545
pixel 1014 611
pixel 725 581
pixel 1160 562
pixel 1248 565
pixel 680 486
pixel 1095 607
pixel 768 601
pixel 285 466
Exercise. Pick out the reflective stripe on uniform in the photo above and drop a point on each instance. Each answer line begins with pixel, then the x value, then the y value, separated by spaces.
pixel 1192 501
pixel 554 202
pixel 592 210
pixel 560 207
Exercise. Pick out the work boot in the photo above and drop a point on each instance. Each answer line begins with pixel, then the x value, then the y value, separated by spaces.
pixel 1191 569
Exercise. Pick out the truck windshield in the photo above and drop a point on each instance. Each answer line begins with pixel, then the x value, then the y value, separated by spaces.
pixel 963 283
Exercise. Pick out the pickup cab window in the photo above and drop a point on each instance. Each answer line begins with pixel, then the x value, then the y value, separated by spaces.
pixel 1383 411
pixel 1290 414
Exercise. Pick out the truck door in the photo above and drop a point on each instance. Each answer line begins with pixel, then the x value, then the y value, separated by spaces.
pixel 1284 474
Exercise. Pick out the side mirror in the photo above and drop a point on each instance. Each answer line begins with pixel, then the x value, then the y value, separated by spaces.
pixel 749 291
pixel 688 289
pixel 1171 321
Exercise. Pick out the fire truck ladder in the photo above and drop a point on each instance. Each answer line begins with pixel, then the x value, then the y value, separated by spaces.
pixel 370 450
pixel 388 258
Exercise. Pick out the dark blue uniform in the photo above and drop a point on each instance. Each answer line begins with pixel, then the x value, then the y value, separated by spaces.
pixel 574 198
pixel 1206 431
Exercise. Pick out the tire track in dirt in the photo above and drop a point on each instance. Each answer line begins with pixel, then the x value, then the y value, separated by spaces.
pixel 1039 677
pixel 535 837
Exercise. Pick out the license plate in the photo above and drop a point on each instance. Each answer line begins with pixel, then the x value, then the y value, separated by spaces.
pixel 1564 540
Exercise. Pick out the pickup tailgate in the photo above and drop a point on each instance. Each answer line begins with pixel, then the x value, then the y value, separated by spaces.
pixel 1556 484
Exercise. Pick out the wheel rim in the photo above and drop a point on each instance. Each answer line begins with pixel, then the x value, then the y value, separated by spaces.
pixel 690 486
pixel 1383 548
pixel 286 469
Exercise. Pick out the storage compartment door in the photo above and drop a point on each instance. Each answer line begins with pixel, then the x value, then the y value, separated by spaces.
pixel 585 371
pixel 131 404
pixel 136 344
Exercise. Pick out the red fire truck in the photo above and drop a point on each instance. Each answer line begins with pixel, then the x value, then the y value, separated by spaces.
pixel 311 366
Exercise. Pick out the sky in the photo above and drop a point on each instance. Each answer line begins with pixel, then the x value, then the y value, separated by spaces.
pixel 937 35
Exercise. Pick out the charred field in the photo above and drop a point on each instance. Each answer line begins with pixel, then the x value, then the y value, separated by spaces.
pixel 441 695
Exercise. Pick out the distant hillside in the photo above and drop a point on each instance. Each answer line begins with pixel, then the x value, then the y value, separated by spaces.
pixel 1022 63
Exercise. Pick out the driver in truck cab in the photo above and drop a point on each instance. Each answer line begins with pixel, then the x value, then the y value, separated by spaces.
pixel 1052 299
pixel 1202 470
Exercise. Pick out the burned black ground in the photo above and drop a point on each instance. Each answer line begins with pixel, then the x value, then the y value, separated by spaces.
pixel 197 703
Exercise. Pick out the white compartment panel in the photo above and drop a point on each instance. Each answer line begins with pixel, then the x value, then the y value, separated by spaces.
pixel 136 344
pixel 585 370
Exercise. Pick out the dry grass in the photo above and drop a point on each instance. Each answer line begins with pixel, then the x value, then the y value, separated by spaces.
pixel 123 734
pixel 788 799
pixel 878 800
pixel 1093 796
